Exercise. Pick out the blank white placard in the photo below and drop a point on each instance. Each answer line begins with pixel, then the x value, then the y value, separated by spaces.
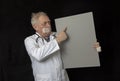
pixel 78 50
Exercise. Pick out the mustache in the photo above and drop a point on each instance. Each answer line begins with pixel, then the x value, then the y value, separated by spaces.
pixel 46 30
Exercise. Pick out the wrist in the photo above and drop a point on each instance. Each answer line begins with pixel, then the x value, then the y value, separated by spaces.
pixel 58 41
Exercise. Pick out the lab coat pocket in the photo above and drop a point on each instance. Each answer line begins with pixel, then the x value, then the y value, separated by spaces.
pixel 43 77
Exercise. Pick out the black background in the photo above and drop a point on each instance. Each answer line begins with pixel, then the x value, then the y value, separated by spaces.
pixel 15 25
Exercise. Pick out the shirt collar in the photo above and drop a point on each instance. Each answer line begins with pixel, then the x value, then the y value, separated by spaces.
pixel 52 36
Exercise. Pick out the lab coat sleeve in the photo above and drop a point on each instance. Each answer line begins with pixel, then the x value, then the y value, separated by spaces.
pixel 41 52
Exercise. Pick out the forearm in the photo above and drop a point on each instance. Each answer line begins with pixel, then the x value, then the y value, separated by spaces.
pixel 41 52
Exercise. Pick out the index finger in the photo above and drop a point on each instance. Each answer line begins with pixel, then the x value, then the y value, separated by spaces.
pixel 65 29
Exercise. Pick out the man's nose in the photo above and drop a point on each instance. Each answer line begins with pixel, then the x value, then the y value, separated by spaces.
pixel 48 25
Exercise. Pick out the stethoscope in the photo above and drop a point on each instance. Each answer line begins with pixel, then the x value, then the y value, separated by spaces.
pixel 38 36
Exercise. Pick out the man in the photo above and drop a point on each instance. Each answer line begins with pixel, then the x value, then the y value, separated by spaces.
pixel 42 47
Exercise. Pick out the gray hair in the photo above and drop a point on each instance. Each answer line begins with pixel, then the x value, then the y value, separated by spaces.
pixel 35 17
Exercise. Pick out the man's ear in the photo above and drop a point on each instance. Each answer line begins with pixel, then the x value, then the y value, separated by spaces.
pixel 35 27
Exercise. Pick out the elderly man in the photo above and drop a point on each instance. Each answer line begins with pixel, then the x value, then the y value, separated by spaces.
pixel 41 47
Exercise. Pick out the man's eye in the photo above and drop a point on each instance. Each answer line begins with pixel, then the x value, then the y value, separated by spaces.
pixel 48 22
pixel 45 23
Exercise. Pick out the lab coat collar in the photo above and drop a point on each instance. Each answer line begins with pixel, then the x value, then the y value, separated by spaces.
pixel 52 36
pixel 38 34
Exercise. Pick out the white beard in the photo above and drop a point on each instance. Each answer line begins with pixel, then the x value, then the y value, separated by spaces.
pixel 46 30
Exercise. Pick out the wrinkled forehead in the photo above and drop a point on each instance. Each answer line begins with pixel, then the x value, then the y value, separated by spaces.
pixel 44 18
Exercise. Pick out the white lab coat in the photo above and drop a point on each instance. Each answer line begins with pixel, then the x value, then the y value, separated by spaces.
pixel 46 59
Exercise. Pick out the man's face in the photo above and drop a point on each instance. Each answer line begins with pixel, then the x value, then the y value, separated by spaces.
pixel 43 27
